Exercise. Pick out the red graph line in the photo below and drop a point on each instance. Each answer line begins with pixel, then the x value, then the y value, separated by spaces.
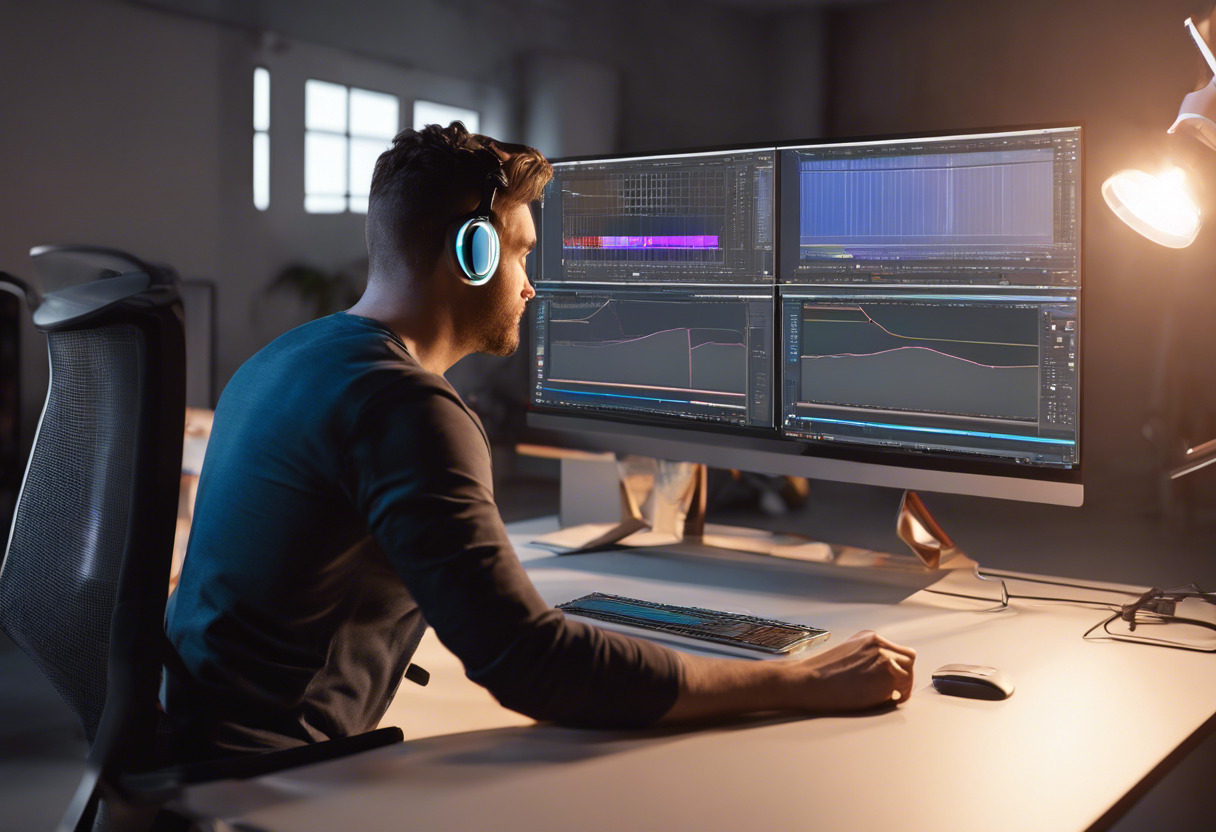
pixel 926 349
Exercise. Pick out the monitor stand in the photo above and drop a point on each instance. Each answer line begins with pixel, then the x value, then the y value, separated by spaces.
pixel 613 503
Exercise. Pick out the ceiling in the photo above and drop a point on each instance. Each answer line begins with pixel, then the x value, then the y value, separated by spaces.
pixel 472 38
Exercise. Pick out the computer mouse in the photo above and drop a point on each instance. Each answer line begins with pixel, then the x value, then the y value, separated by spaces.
pixel 973 681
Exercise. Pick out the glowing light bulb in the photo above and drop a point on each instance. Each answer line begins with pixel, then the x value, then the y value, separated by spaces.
pixel 1159 207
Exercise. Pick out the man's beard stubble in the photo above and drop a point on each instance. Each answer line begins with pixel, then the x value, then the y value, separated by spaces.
pixel 498 331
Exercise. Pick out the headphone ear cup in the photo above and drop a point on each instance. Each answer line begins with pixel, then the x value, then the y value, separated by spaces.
pixel 477 250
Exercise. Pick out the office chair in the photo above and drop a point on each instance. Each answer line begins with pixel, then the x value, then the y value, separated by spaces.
pixel 84 579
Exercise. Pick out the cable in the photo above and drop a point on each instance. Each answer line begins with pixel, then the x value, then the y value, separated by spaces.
pixel 1149 641
pixel 1069 584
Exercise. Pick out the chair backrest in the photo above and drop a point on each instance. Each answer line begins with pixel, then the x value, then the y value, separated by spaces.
pixel 85 573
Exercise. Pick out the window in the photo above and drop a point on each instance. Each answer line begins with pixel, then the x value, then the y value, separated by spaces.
pixel 261 138
pixel 428 112
pixel 345 131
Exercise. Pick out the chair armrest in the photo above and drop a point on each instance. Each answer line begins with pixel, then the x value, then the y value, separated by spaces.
pixel 162 782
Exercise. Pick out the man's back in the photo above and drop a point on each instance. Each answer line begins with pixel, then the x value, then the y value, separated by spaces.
pixel 277 531
pixel 339 473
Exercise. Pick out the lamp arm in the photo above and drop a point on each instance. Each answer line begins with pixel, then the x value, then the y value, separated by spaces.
pixel 1201 44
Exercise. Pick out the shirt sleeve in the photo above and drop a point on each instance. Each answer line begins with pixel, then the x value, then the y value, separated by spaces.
pixel 418 468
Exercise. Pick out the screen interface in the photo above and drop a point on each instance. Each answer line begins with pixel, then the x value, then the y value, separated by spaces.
pixel 903 296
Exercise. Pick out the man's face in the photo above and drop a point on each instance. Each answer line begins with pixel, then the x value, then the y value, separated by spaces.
pixel 499 304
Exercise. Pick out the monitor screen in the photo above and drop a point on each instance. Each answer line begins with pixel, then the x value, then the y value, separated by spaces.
pixel 901 312
pixel 682 218
pixel 958 370
pixel 930 294
pixel 993 209
pixel 691 354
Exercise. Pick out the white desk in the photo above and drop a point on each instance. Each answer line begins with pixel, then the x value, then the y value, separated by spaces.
pixel 1087 726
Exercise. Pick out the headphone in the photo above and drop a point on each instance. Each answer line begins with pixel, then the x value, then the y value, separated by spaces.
pixel 473 238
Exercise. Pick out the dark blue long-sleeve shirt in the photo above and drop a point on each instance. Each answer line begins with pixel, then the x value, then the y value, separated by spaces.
pixel 346 502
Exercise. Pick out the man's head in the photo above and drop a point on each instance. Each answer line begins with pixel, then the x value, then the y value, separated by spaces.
pixel 422 185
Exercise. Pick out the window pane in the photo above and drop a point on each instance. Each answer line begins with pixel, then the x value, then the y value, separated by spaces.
pixel 373 114
pixel 324 164
pixel 261 98
pixel 324 106
pixel 363 155
pixel 261 171
pixel 428 112
pixel 358 204
pixel 324 204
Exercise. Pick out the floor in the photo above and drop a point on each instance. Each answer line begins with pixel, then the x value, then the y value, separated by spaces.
pixel 1120 534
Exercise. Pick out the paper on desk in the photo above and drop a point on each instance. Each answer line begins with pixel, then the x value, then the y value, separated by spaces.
pixel 591 536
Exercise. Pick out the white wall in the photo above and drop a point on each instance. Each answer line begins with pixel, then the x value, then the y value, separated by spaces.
pixel 129 124
pixel 131 127
pixel 112 119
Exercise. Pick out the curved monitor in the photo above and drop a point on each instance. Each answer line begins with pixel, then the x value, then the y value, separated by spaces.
pixel 903 312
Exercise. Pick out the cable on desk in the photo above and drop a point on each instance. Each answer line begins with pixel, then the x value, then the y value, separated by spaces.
pixel 1001 606
pixel 1149 641
pixel 1006 595
pixel 1147 610
pixel 1068 584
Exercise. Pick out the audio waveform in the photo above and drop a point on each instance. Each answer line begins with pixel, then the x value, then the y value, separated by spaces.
pixel 987 198
pixel 662 241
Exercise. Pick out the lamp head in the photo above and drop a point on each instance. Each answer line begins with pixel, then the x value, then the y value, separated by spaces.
pixel 1159 207
pixel 1162 207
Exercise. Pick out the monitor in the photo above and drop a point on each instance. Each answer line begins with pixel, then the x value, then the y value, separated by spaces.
pixel 903 312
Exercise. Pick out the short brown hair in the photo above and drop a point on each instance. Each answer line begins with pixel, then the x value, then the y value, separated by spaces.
pixel 431 177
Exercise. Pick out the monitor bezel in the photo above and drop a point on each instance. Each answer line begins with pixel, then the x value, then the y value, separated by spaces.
pixel 767 450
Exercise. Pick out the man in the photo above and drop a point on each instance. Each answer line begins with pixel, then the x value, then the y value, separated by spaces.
pixel 346 503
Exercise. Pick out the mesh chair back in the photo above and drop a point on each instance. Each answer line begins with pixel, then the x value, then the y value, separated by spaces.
pixel 59 580
pixel 85 575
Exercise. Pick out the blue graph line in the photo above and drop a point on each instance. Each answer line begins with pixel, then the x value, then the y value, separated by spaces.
pixel 616 395
pixel 950 431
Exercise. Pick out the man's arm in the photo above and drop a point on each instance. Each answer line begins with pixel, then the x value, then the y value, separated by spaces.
pixel 418 468
pixel 420 472
pixel 862 672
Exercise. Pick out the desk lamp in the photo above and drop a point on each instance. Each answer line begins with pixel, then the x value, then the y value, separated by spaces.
pixel 1163 208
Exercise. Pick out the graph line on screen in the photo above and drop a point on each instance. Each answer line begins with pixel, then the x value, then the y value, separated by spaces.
pixel 708 355
pixel 980 361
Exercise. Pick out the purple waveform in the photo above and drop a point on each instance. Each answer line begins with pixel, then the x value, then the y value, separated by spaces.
pixel 666 241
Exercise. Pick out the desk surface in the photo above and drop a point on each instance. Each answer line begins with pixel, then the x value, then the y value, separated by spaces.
pixel 1088 724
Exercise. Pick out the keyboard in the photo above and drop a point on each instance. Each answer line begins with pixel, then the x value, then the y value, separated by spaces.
pixel 740 633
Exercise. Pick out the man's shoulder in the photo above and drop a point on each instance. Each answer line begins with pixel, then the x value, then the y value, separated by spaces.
pixel 329 371
pixel 338 337
pixel 344 354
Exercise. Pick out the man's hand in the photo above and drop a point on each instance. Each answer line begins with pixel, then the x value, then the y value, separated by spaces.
pixel 862 672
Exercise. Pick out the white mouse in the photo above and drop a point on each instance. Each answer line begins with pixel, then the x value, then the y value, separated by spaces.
pixel 973 681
